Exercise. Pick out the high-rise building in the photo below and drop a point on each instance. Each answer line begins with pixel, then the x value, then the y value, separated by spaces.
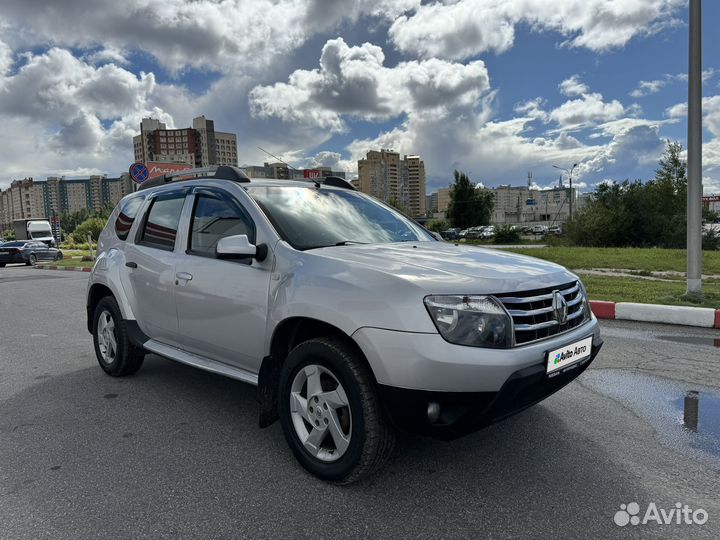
pixel 199 145
pixel 30 198
pixel 385 176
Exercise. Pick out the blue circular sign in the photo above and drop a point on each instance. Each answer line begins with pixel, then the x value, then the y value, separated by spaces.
pixel 139 172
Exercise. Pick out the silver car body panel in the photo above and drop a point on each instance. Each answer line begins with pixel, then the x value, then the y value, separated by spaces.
pixel 224 317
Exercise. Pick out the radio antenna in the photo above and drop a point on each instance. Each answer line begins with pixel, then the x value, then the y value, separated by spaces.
pixel 275 157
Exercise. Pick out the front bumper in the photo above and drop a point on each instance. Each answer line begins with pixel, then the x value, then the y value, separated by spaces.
pixel 423 361
pixel 465 412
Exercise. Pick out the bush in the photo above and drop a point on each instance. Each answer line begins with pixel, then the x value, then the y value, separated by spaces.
pixel 711 240
pixel 437 225
pixel 505 234
pixel 92 226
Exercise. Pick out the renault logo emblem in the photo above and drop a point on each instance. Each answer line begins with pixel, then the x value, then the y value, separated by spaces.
pixel 560 308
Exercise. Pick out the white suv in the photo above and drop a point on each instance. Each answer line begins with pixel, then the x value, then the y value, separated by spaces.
pixel 351 319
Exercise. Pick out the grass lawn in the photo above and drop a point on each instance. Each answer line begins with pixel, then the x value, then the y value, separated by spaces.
pixel 620 289
pixel 68 262
pixel 648 259
pixel 67 253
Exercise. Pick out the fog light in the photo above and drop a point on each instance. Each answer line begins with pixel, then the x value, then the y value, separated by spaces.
pixel 433 412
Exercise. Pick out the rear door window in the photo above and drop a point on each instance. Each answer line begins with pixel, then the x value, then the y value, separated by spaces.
pixel 161 226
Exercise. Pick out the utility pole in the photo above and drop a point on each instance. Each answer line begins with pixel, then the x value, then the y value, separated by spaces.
pixel 694 154
pixel 569 173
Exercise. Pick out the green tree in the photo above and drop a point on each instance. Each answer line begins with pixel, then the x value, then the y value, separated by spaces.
pixel 469 206
pixel 437 225
pixel 92 226
pixel 70 220
pixel 636 213
pixel 8 235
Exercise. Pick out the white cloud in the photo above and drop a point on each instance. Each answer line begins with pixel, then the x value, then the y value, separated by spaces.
pixel 465 28
pixel 241 35
pixel 353 81
pixel 334 160
pixel 6 57
pixel 108 55
pixel 648 87
pixel 573 87
pixel 587 110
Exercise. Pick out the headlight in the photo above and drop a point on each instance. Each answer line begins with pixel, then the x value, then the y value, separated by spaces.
pixel 477 321
pixel 587 310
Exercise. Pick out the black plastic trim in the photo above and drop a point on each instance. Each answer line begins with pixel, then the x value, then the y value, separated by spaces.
pixel 136 336
pixel 466 412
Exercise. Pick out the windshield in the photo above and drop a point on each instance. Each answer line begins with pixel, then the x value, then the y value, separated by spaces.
pixel 309 218
pixel 40 233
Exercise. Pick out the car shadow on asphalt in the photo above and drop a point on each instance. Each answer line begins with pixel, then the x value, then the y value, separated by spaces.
pixel 186 443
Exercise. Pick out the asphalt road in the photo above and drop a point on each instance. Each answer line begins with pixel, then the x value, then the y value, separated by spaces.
pixel 176 452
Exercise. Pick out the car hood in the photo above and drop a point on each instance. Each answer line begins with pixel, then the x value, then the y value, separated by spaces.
pixel 447 267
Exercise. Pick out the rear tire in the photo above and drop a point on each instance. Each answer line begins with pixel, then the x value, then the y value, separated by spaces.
pixel 354 437
pixel 33 260
pixel 115 353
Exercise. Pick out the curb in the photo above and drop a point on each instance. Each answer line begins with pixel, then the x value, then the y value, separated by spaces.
pixel 64 268
pixel 683 315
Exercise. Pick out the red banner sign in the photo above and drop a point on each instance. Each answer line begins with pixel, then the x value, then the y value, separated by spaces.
pixel 311 173
pixel 711 198
pixel 156 168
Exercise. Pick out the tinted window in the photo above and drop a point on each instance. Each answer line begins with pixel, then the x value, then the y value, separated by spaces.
pixel 216 217
pixel 309 218
pixel 14 244
pixel 126 217
pixel 162 221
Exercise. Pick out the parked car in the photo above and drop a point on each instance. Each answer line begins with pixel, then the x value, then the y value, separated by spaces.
pixel 539 229
pixel 474 233
pixel 451 234
pixel 351 320
pixel 555 230
pixel 487 232
pixel 30 253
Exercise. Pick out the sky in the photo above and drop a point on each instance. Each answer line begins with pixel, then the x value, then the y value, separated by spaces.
pixel 496 89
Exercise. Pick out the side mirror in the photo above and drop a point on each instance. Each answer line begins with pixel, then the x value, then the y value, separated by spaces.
pixel 238 247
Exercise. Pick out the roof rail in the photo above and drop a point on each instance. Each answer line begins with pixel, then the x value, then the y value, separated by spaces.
pixel 221 172
pixel 336 181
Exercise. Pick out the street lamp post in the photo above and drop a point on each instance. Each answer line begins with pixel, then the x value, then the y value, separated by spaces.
pixel 569 173
pixel 694 154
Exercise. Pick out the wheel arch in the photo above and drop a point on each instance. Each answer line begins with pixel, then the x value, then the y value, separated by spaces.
pixel 287 334
pixel 97 292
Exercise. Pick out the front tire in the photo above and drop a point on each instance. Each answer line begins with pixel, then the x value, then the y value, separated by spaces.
pixel 115 353
pixel 33 260
pixel 330 412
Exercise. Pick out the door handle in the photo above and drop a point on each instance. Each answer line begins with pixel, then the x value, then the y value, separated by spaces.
pixel 184 276
pixel 131 264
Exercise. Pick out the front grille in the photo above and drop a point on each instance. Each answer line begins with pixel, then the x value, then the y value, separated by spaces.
pixel 533 315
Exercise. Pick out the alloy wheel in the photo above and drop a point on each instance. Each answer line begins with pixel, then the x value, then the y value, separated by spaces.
pixel 320 413
pixel 107 340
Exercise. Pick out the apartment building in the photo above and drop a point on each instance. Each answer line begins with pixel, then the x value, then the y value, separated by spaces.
pixel 384 175
pixel 521 204
pixel 29 198
pixel 199 146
